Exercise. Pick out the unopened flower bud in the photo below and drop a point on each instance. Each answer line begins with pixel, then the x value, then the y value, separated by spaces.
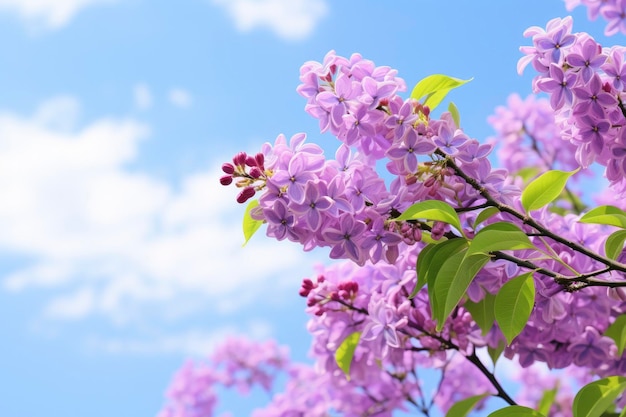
pixel 245 194
pixel 260 160
pixel 255 173
pixel 250 161
pixel 240 159
pixel 228 168
pixel 226 180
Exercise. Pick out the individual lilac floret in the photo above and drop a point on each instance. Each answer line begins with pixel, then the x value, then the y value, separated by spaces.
pixel 383 325
pixel 592 99
pixel 295 177
pixel 316 201
pixel 345 238
pixel 588 60
pixel 407 150
pixel 553 42
pixel 281 221
pixel 559 85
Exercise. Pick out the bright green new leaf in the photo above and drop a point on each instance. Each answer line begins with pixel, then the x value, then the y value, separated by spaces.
pixel 454 112
pixel 609 215
pixel 435 88
pixel 500 236
pixel 595 398
pixel 547 400
pixel 485 214
pixel 345 352
pixel 483 312
pixel 617 332
pixel 527 173
pixel 432 210
pixel 250 225
pixel 452 281
pixel 431 258
pixel 463 407
pixel 544 189
pixel 513 305
pixel 614 244
pixel 516 411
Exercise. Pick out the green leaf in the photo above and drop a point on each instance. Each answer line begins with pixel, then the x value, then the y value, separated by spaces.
pixel 500 236
pixel 513 305
pixel 516 411
pixel 485 214
pixel 547 400
pixel 483 312
pixel 544 189
pixel 250 225
pixel 454 112
pixel 463 407
pixel 432 210
pixel 345 353
pixel 617 332
pixel 452 281
pixel 431 258
pixel 435 88
pixel 595 398
pixel 527 173
pixel 609 215
pixel 494 353
pixel 615 244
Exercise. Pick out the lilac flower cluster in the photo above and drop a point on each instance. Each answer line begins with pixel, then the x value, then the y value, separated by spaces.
pixel 528 137
pixel 613 11
pixel 237 363
pixel 585 83
pixel 344 204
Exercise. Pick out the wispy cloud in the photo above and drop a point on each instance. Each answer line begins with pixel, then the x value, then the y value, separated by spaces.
pixel 193 342
pixel 49 14
pixel 289 19
pixel 180 98
pixel 112 242
pixel 142 96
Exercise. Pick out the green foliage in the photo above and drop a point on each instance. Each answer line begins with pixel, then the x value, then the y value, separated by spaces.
pixel 609 215
pixel 463 407
pixel 345 352
pixel 454 112
pixel 452 282
pixel 597 397
pixel 614 244
pixel 250 225
pixel 544 189
pixel 617 332
pixel 513 305
pixel 483 312
pixel 435 88
pixel 547 400
pixel 516 411
pixel 500 236
pixel 494 353
pixel 485 214
pixel 432 210
pixel 431 258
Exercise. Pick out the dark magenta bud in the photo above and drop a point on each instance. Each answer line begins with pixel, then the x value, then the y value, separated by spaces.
pixel 260 160
pixel 245 194
pixel 250 161
pixel 228 168
pixel 240 159
pixel 255 173
pixel 226 180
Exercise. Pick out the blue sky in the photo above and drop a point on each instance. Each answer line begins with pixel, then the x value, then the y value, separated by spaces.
pixel 120 254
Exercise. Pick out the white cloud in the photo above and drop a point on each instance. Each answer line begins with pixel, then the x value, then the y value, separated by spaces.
pixel 116 243
pixel 194 342
pixel 289 19
pixel 142 96
pixel 180 98
pixel 50 14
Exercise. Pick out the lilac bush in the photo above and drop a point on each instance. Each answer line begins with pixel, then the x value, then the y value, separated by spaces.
pixel 452 259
